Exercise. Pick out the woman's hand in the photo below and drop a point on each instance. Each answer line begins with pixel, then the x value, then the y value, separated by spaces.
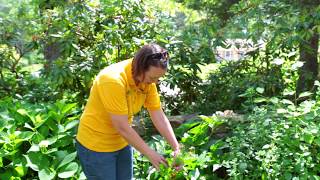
pixel 178 162
pixel 176 152
pixel 156 159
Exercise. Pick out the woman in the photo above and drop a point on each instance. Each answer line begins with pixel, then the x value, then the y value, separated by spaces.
pixel 105 136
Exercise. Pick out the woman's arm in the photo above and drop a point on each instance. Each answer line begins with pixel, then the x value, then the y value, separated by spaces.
pixel 120 122
pixel 163 125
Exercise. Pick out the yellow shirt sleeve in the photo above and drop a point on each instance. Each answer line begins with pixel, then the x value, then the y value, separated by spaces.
pixel 113 97
pixel 152 101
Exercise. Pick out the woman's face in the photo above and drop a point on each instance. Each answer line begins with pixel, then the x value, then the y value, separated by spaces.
pixel 153 75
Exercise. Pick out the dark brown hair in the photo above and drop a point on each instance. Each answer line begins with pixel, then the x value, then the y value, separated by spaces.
pixel 149 55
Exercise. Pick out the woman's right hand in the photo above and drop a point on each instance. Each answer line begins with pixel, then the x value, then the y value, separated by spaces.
pixel 156 159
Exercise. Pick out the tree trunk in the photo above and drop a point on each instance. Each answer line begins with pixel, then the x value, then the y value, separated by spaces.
pixel 309 71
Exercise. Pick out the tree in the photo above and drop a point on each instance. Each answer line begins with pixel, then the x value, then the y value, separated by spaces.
pixel 284 25
pixel 309 43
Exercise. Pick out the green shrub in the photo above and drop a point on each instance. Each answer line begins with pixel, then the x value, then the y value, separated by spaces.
pixel 38 140
pixel 279 140
pixel 200 152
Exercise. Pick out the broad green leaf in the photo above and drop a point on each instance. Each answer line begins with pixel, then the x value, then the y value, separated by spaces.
pixel 52 125
pixel 68 107
pixel 274 100
pixel 297 65
pixel 261 153
pixel 305 94
pixel 260 99
pixel 4 118
pixel 260 90
pixel 52 140
pixel 38 121
pixel 71 125
pixel 25 135
pixel 3 153
pixel 267 146
pixel 288 176
pixel 315 177
pixel 198 130
pixel 56 35
pixel 317 141
pixel 51 150
pixel 27 125
pixel 34 148
pixel 138 41
pixel 288 92
pixel 75 46
pixel 59 156
pixel 46 174
pixel 44 144
pixel 286 101
pixel 22 112
pixel 37 161
pixel 243 166
pixel 68 170
pixel 281 111
pixel 216 167
pixel 185 127
pixel 195 174
pixel 313 129
pixel 82 176
pixel 267 122
pixel 67 159
pixel 203 158
pixel 43 130
pixel 6 175
pixel 20 171
pixel 308 138
pixel 60 129
pixel 277 61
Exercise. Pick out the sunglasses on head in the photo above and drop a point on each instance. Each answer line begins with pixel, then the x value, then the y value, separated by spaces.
pixel 162 56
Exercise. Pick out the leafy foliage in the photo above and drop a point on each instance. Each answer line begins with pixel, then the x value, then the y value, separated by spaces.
pixel 233 85
pixel 38 140
pixel 50 52
pixel 200 153
pixel 278 140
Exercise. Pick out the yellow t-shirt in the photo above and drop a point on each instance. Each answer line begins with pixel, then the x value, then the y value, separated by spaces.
pixel 113 91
